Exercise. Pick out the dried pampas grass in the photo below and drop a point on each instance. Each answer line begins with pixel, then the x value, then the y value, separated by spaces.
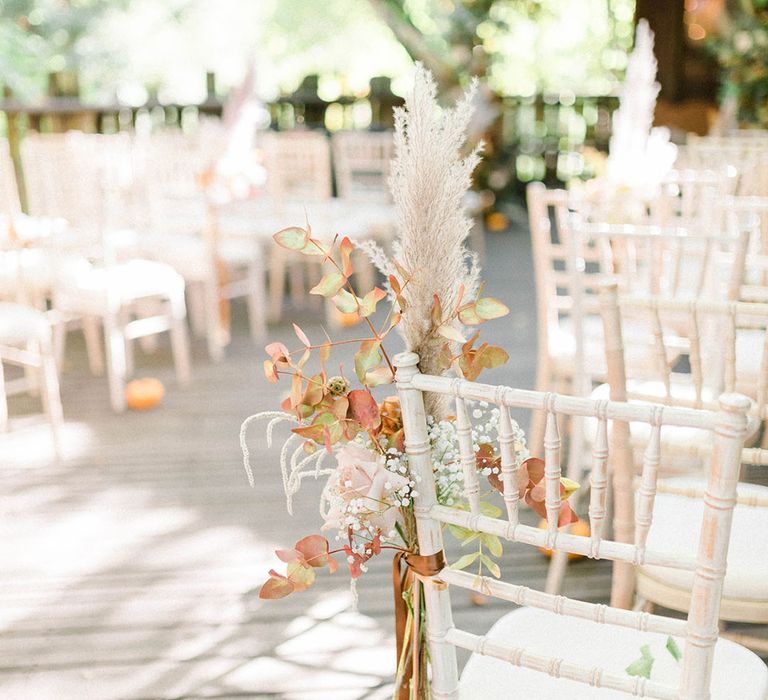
pixel 429 180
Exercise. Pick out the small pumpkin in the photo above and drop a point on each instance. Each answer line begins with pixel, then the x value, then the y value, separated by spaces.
pixel 143 394
pixel 581 527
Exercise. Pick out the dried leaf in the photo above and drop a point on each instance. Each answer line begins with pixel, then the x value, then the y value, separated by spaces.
pixel 367 358
pixel 287 555
pixel 301 335
pixel 346 248
pixel 315 247
pixel 370 300
pixel 364 409
pixel 450 332
pixel 296 390
pixel 269 371
pixel 315 550
pixel 329 285
pixel 292 238
pixel 380 375
pixel 468 315
pixel 278 353
pixel 275 587
pixel 345 302
pixel 301 575
pixel 437 311
pixel 489 308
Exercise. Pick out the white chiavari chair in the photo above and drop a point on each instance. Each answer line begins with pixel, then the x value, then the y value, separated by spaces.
pixel 130 297
pixel 554 647
pixel 671 261
pixel 184 221
pixel 298 167
pixel 361 163
pixel 745 587
pixel 749 156
pixel 570 258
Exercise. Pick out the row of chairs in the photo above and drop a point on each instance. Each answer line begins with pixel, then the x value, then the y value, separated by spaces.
pixel 653 312
pixel 125 232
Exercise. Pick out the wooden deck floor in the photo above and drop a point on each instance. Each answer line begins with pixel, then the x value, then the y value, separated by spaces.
pixel 131 570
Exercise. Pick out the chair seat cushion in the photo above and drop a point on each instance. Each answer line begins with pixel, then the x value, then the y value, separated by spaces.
pixel 88 288
pixel 747 575
pixel 21 324
pixel 738 674
pixel 190 256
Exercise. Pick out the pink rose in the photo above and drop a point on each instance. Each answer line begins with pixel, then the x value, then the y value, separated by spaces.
pixel 361 476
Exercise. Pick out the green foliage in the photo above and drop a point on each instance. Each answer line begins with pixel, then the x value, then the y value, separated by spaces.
pixel 642 666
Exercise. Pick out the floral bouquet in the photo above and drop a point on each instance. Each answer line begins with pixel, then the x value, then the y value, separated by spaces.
pixel 339 429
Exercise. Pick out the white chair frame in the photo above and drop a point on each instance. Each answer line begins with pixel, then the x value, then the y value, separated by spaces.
pixel 700 630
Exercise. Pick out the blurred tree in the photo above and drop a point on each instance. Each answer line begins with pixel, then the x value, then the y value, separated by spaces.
pixel 42 36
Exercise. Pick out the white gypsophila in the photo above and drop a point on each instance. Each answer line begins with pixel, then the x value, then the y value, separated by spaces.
pixel 444 442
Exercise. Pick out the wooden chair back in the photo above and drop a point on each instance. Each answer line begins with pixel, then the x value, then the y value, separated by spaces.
pixel 700 629
pixel 361 164
pixel 706 332
pixel 298 165
pixel 10 203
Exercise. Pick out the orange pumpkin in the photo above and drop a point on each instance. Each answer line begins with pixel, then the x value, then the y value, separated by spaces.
pixel 143 394
pixel 496 221
pixel 579 528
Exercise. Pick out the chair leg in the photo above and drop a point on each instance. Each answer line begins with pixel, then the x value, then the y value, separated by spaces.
pixel 116 369
pixel 93 345
pixel 180 339
pixel 296 275
pixel 51 395
pixel 59 329
pixel 31 375
pixel 256 300
pixel 212 320
pixel 129 363
pixel 277 264
pixel 3 401
pixel 196 307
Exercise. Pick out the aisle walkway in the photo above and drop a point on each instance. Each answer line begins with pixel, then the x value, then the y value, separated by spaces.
pixel 131 570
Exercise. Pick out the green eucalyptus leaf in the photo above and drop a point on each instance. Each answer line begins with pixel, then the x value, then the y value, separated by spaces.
pixel 465 561
pixel 642 666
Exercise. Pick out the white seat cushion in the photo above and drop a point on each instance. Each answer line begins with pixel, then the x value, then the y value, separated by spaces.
pixel 21 324
pixel 85 287
pixel 747 575
pixel 190 257
pixel 738 674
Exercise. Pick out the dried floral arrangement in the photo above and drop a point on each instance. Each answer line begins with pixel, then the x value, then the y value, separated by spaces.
pixel 434 301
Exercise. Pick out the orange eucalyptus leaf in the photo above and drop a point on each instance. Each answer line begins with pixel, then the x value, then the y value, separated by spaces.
pixel 276 587
pixel 364 409
pixel 269 371
pixel 300 574
pixel 301 335
pixel 370 300
pixel 330 285
pixel 292 238
pixel 346 248
pixel 489 308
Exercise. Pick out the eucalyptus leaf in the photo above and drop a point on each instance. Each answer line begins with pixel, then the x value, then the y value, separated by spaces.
pixel 642 666
pixel 465 561
pixel 673 649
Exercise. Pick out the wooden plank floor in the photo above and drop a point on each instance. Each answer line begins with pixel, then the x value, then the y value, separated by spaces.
pixel 131 569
